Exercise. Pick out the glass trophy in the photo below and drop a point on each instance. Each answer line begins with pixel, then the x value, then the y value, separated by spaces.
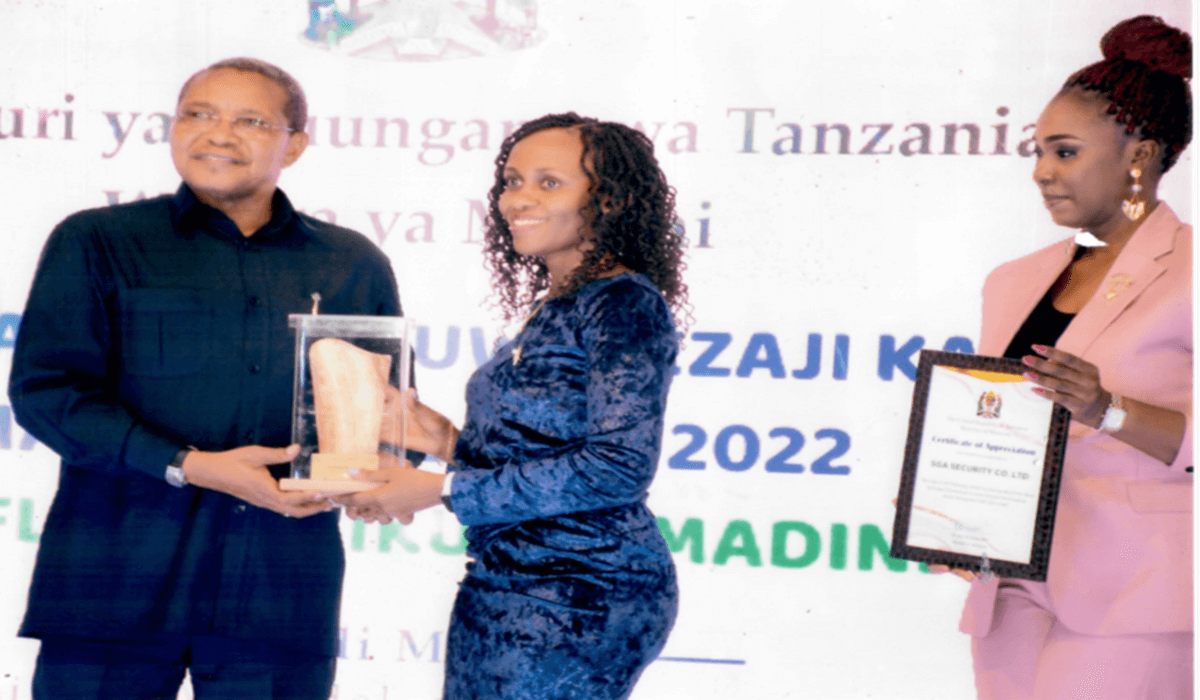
pixel 348 399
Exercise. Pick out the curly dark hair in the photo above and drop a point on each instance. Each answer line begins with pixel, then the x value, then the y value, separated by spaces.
pixel 630 213
pixel 1144 75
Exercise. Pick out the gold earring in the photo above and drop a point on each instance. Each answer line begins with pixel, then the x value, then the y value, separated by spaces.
pixel 1134 207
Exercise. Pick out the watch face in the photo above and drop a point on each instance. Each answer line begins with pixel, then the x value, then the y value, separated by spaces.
pixel 1114 419
pixel 175 477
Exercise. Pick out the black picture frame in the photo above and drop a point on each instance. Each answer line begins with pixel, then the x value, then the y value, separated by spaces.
pixel 1043 529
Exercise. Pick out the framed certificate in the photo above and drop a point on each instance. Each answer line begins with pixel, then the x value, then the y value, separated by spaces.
pixel 347 403
pixel 982 468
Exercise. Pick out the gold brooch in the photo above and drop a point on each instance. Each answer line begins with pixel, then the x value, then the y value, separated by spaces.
pixel 1117 284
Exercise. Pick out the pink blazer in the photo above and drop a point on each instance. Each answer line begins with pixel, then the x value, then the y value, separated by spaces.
pixel 1121 558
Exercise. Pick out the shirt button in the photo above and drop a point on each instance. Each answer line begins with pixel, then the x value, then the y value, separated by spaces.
pixel 255 369
pixel 239 509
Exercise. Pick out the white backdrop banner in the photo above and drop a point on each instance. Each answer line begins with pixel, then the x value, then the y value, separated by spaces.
pixel 847 172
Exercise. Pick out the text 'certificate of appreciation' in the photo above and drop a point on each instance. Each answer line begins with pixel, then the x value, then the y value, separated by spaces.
pixel 982 467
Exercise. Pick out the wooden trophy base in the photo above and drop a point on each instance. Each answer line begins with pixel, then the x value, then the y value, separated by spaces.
pixel 325 485
pixel 331 474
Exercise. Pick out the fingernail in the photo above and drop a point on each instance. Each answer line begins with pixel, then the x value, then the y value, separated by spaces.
pixel 1030 376
pixel 352 471
pixel 1038 348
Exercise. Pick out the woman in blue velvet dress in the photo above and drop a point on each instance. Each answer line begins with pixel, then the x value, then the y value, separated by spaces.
pixel 571 591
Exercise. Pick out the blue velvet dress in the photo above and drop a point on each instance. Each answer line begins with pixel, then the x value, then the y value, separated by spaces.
pixel 571 591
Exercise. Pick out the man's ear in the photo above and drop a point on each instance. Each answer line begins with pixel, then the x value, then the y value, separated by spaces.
pixel 297 142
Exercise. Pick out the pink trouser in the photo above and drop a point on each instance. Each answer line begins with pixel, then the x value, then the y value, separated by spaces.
pixel 1031 655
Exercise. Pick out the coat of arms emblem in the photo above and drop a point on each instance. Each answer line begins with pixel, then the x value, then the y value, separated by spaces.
pixel 422 30
pixel 989 405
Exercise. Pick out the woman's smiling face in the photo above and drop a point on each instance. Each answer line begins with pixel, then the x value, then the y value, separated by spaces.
pixel 545 192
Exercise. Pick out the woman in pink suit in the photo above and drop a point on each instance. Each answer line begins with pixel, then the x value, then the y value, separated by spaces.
pixel 1104 323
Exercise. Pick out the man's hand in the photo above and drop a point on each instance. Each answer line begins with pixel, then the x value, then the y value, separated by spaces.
pixel 242 473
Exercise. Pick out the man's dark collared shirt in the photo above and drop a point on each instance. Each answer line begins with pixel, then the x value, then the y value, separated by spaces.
pixel 156 325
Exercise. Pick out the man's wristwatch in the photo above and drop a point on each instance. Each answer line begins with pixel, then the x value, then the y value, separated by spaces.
pixel 175 475
pixel 1114 417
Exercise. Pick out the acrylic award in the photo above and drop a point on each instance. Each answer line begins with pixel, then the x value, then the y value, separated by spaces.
pixel 347 403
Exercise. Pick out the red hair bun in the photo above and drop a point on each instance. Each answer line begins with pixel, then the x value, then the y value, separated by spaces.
pixel 1147 39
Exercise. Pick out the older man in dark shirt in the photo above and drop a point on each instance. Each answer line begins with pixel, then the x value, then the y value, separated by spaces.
pixel 154 357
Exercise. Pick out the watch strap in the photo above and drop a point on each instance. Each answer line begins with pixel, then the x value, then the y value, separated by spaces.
pixel 446 485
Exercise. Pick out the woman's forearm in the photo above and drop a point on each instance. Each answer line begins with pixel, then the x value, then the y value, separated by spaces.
pixel 1155 430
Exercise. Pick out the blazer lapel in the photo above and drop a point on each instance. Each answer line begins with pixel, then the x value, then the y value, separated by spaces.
pixel 1027 290
pixel 1132 272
